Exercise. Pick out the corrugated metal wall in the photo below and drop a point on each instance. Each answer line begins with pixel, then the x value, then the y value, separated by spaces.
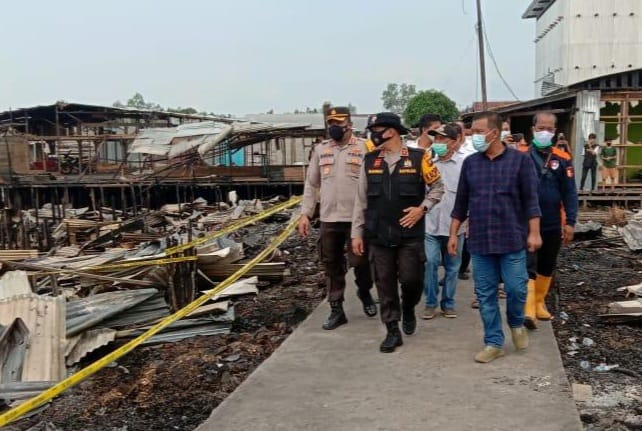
pixel 579 40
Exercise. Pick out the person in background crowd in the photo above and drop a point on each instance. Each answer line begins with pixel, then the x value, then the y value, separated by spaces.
pixel 557 190
pixel 446 146
pixel 563 145
pixel 589 164
pixel 608 154
pixel 507 137
pixel 333 175
pixel 427 123
pixel 467 137
pixel 397 187
pixel 497 194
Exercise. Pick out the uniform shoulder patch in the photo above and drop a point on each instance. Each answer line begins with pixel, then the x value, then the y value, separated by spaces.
pixel 570 172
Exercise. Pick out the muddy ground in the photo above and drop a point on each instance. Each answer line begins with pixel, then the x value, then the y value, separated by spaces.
pixel 588 279
pixel 176 386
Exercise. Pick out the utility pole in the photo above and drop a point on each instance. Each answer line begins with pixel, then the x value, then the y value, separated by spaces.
pixel 482 62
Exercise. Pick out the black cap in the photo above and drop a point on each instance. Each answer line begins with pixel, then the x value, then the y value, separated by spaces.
pixel 338 113
pixel 388 119
pixel 426 119
pixel 445 130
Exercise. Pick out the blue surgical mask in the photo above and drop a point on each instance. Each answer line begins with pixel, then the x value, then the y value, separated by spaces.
pixel 543 139
pixel 479 143
pixel 440 148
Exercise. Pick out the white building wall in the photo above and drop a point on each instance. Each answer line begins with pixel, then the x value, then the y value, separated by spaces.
pixel 551 45
pixel 579 40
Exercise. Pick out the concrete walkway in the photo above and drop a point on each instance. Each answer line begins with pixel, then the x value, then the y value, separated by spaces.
pixel 338 380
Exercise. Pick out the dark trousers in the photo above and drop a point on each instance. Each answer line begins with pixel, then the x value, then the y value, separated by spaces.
pixel 392 266
pixel 465 258
pixel 585 171
pixel 544 260
pixel 333 240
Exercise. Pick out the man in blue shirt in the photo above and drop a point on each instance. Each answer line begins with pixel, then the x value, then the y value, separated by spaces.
pixel 498 194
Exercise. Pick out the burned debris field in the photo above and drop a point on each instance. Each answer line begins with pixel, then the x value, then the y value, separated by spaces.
pixel 601 343
pixel 176 385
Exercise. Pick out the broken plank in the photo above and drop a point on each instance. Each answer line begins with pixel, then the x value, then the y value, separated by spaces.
pixel 79 274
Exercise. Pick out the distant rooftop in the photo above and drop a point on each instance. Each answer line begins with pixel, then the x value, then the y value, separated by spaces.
pixel 313 120
pixel 537 8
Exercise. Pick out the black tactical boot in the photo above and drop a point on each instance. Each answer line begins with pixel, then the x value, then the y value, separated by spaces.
pixel 369 306
pixel 336 318
pixel 408 321
pixel 393 338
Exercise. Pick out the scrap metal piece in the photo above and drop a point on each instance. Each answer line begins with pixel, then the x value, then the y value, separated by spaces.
pixel 14 283
pixel 44 317
pixel 87 312
pixel 14 340
pixel 85 343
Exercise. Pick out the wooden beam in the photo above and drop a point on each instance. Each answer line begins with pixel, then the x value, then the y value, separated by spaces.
pixel 80 274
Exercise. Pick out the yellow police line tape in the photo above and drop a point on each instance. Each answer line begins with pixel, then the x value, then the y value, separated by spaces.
pixel 91 369
pixel 234 226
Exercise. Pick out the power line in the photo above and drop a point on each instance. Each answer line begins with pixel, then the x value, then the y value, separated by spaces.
pixel 492 57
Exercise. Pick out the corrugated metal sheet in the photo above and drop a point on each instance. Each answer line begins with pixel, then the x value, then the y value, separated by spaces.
pixel 205 136
pixel 45 319
pixel 87 312
pixel 182 329
pixel 150 310
pixel 14 340
pixel 22 390
pixel 79 346
pixel 152 141
pixel 14 283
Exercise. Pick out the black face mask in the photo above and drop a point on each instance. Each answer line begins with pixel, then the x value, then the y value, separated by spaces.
pixel 378 139
pixel 336 132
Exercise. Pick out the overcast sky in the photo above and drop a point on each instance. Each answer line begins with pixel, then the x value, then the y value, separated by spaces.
pixel 250 56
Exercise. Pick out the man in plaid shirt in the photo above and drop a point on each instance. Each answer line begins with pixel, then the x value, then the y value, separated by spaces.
pixel 498 194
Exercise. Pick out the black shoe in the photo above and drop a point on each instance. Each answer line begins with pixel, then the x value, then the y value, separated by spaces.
pixel 393 338
pixel 369 306
pixel 463 276
pixel 336 318
pixel 409 322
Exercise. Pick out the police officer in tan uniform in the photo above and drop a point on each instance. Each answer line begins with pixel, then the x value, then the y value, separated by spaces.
pixel 334 171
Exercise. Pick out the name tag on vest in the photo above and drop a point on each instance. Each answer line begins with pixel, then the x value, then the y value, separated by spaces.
pixel 408 171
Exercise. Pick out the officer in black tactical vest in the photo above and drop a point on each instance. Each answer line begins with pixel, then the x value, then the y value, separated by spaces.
pixel 397 187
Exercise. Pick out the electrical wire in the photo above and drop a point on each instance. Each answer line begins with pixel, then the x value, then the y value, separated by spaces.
pixel 492 57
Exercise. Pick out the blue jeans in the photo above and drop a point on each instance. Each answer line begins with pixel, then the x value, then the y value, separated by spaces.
pixel 436 253
pixel 486 272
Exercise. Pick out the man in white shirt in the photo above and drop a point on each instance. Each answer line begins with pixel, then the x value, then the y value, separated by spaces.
pixel 447 149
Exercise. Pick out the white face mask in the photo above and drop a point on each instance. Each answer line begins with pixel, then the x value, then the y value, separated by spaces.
pixel 469 140
pixel 505 134
pixel 543 139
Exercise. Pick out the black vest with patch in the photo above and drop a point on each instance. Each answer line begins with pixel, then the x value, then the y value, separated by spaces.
pixel 389 194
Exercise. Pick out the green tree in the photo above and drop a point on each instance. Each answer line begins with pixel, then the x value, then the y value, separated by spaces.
pixel 395 97
pixel 430 101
